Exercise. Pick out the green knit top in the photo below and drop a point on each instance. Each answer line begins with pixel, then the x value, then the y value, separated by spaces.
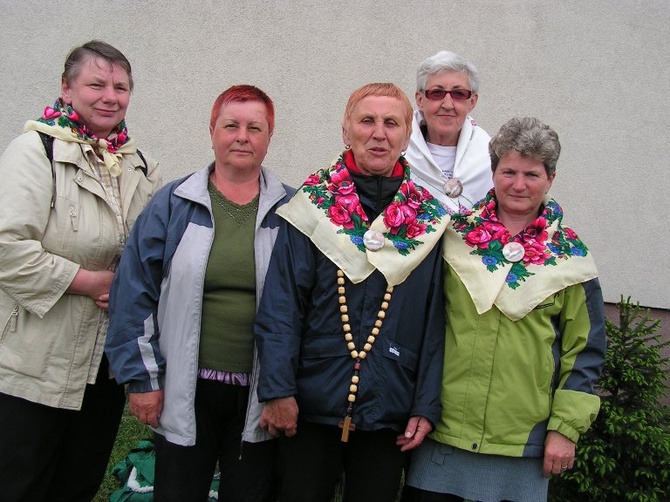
pixel 229 297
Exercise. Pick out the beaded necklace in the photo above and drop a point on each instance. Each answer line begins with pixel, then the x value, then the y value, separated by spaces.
pixel 358 355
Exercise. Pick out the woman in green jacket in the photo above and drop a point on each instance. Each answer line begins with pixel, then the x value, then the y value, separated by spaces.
pixel 525 338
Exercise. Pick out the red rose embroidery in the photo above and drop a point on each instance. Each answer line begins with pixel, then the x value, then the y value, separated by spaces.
pixel 412 195
pixel 415 229
pixel 339 215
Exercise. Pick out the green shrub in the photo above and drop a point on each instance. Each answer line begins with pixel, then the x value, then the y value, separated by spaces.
pixel 625 456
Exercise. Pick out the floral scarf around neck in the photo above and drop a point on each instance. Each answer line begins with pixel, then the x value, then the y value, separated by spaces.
pixel 553 257
pixel 62 121
pixel 328 210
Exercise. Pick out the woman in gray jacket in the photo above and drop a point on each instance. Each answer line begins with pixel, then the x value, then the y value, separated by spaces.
pixel 183 304
pixel 72 185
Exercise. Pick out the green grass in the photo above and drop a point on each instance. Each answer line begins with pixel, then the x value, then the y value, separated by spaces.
pixel 130 432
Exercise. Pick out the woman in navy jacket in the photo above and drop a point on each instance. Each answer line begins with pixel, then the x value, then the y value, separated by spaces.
pixel 350 328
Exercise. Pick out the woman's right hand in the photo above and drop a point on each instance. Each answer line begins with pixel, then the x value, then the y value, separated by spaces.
pixel 146 406
pixel 94 284
pixel 280 415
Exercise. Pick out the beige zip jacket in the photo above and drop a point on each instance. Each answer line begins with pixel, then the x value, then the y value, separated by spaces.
pixel 48 336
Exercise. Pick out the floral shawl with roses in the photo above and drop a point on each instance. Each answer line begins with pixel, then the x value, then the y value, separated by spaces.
pixel 62 121
pixel 554 258
pixel 327 209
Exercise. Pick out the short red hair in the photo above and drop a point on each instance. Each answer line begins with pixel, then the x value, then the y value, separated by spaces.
pixel 243 93
pixel 380 89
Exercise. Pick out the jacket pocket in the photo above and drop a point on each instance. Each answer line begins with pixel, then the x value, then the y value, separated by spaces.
pixel 325 364
pixel 9 322
pixel 28 343
pixel 399 375
pixel 405 357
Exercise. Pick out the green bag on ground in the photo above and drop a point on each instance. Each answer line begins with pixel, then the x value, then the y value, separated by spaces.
pixel 136 473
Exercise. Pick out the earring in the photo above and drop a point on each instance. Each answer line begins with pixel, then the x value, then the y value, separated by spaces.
pixel 347 147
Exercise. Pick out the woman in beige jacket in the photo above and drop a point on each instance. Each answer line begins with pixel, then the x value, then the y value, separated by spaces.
pixel 72 185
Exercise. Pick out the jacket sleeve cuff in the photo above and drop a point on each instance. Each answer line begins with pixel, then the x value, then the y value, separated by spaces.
pixel 136 387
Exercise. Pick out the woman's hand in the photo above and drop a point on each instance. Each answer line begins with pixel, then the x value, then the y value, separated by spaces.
pixel 95 284
pixel 415 432
pixel 146 406
pixel 280 415
pixel 559 454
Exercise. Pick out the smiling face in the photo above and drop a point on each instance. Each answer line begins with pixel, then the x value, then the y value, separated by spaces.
pixel 100 94
pixel 377 132
pixel 240 136
pixel 445 118
pixel 520 185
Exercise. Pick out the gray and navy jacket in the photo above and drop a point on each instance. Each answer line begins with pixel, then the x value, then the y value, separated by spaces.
pixel 157 293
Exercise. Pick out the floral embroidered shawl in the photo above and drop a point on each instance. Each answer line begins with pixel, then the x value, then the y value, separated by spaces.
pixel 62 121
pixel 554 258
pixel 327 209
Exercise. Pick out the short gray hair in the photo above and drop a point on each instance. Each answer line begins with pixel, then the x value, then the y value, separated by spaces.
pixel 529 137
pixel 446 61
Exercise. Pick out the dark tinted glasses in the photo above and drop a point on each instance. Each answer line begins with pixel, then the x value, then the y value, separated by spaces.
pixel 456 94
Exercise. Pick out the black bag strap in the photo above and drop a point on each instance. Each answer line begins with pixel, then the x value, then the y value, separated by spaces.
pixel 48 142
pixel 145 168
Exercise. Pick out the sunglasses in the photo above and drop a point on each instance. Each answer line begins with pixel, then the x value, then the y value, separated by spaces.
pixel 456 94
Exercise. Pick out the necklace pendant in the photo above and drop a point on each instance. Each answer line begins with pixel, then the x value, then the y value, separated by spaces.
pixel 373 240
pixel 513 251
pixel 453 188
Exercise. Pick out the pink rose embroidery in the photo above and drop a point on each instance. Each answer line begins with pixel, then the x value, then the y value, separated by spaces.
pixel 50 113
pixel 478 237
pixel 569 233
pixel 352 205
pixel 534 252
pixel 394 216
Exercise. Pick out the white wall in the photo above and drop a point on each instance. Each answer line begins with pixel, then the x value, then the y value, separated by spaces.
pixel 597 71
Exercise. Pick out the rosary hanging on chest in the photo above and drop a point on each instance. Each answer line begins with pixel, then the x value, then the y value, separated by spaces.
pixel 359 356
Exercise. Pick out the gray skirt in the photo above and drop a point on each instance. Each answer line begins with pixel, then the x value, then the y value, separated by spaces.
pixel 474 476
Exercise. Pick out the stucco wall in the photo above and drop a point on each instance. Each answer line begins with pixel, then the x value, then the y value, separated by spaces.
pixel 597 71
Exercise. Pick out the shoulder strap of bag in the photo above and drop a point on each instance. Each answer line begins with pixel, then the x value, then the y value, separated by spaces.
pixel 48 142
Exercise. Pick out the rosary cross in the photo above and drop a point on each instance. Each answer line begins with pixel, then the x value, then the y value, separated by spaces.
pixel 346 427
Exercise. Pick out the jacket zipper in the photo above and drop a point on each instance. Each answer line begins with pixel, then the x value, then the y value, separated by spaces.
pixel 13 317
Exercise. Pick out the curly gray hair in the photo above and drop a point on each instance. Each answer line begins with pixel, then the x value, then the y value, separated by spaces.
pixel 531 138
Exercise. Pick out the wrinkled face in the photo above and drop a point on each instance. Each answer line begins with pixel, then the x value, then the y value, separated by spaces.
pixel 445 118
pixel 377 133
pixel 520 184
pixel 241 135
pixel 100 94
